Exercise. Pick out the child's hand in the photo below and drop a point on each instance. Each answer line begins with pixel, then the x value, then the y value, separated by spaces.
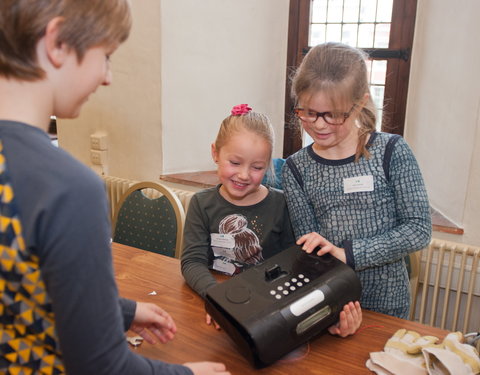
pixel 209 321
pixel 207 368
pixel 349 322
pixel 313 240
pixel 151 322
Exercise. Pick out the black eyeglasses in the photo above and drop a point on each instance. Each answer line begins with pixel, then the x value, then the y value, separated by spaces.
pixel 332 118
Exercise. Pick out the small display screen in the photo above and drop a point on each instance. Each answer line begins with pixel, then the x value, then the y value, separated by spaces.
pixel 313 319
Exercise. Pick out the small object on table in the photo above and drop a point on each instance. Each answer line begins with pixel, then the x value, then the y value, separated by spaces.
pixel 135 340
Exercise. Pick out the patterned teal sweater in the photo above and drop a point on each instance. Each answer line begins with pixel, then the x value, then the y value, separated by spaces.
pixel 377 228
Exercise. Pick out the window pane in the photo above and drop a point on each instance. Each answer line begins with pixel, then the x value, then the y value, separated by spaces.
pixel 335 9
pixel 349 34
pixel 379 71
pixel 351 11
pixel 317 34
pixel 365 35
pixel 384 11
pixel 319 11
pixel 334 32
pixel 368 10
pixel 377 95
pixel 382 35
pixel 369 69
pixel 379 120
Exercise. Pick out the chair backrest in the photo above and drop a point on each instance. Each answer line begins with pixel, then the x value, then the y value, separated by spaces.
pixel 150 216
pixel 413 267
pixel 447 291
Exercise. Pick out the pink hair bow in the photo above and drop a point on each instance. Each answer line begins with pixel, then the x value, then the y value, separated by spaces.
pixel 241 109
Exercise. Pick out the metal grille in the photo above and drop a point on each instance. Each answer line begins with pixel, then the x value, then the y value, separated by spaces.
pixel 447 293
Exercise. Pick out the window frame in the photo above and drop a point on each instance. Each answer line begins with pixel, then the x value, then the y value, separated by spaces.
pixel 398 57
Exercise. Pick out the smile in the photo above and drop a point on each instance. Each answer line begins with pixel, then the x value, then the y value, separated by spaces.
pixel 239 184
pixel 322 135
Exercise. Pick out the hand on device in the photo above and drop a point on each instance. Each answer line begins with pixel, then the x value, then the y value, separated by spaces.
pixel 313 240
pixel 209 321
pixel 349 322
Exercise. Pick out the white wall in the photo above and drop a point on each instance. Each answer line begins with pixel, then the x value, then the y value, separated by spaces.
pixel 129 111
pixel 442 124
pixel 216 54
pixel 185 65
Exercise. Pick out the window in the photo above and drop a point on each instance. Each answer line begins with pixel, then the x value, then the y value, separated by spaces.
pixel 383 28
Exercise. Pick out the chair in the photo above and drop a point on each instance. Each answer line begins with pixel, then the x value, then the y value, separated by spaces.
pixel 413 267
pixel 149 216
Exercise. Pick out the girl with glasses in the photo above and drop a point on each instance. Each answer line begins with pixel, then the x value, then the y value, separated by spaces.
pixel 354 192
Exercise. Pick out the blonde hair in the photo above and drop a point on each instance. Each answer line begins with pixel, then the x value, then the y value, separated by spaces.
pixel 85 24
pixel 257 123
pixel 340 72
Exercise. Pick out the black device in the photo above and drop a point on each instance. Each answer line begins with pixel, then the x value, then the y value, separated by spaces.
pixel 280 304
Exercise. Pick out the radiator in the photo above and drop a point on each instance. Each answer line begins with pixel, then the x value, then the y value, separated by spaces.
pixel 116 186
pixel 448 290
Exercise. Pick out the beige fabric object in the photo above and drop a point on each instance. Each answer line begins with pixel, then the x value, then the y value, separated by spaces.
pixel 442 362
pixel 379 370
pixel 408 353
pixel 395 365
pixel 452 357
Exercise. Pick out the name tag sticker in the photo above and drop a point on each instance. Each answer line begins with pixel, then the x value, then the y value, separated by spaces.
pixel 357 184
pixel 223 266
pixel 223 252
pixel 222 240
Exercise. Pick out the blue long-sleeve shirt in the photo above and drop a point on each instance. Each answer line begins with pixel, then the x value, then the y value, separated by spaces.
pixel 63 209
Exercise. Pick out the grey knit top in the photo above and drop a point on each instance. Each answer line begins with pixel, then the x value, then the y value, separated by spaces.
pixel 377 228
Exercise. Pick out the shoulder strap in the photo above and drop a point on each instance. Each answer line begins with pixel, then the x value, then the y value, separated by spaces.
pixel 295 171
pixel 388 154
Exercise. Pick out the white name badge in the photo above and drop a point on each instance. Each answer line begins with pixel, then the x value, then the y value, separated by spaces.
pixel 222 240
pixel 357 184
pixel 223 252
pixel 223 266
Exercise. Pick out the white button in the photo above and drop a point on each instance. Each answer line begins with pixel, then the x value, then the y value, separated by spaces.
pixel 307 280
pixel 285 292
pixel 292 288
pixel 278 296
pixel 287 283
pixel 299 284
pixel 301 276
pixel 279 287
pixel 294 280
pixel 272 292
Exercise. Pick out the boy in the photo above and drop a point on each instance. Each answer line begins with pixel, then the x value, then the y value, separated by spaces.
pixel 59 306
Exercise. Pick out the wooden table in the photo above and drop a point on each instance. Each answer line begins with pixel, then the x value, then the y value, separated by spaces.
pixel 139 273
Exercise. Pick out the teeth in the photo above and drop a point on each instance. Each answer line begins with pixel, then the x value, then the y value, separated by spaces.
pixel 239 183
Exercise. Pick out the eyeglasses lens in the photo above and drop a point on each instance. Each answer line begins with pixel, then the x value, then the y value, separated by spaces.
pixel 332 118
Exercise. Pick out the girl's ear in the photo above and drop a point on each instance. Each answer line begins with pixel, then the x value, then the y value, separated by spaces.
pixel 56 50
pixel 214 153
pixel 364 100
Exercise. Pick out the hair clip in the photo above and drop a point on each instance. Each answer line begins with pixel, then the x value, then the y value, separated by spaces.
pixel 240 109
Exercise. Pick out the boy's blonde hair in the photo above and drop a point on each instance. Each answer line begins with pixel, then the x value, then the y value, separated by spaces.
pixel 85 24
pixel 340 72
